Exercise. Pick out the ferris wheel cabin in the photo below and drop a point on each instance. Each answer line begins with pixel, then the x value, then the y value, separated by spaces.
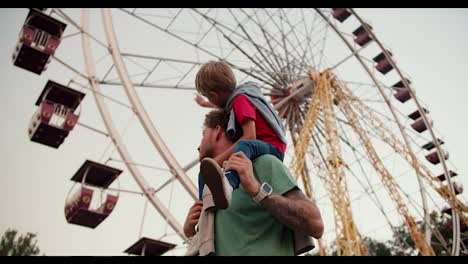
pixel 362 36
pixel 383 63
pixel 341 14
pixel 78 208
pixel 38 40
pixel 149 247
pixel 402 93
pixel 55 117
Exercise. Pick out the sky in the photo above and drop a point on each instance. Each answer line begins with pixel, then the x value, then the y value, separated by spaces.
pixel 428 44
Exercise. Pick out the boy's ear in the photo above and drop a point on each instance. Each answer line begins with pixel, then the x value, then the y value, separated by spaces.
pixel 213 95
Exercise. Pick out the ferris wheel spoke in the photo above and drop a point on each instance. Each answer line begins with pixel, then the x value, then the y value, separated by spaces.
pixel 110 98
pixel 324 40
pixel 308 38
pixel 277 59
pixel 283 41
pixel 316 30
pixel 80 123
pixel 237 46
pixel 289 57
pixel 150 72
pixel 302 55
pixel 228 35
pixel 363 171
pixel 281 62
pixel 63 15
pixel 73 69
pixel 258 49
pixel 149 85
pixel 141 165
pixel 191 43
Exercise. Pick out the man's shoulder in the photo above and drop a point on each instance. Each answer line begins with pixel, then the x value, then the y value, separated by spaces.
pixel 267 159
pixel 268 168
pixel 270 164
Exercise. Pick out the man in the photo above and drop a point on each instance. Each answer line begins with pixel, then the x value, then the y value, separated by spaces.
pixel 264 211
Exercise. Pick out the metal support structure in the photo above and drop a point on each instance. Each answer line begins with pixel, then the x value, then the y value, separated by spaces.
pixel 140 111
pixel 114 134
pixel 387 101
pixel 455 218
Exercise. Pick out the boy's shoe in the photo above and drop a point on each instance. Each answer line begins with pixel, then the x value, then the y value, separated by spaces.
pixel 214 178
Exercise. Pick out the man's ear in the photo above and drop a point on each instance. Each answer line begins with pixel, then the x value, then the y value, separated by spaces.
pixel 218 132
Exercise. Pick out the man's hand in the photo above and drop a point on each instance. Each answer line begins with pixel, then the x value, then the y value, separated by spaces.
pixel 192 219
pixel 201 101
pixel 240 163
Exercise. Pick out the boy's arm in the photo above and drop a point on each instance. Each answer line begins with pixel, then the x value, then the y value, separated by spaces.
pixel 203 102
pixel 249 133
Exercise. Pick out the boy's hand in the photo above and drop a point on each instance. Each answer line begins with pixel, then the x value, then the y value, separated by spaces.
pixel 314 75
pixel 192 219
pixel 239 162
pixel 201 101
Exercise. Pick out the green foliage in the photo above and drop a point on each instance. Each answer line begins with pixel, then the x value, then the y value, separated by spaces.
pixel 403 245
pixel 24 245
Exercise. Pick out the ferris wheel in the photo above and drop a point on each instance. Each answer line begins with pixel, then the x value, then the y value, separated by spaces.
pixel 361 143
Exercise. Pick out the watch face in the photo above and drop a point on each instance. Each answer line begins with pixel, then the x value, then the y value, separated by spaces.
pixel 267 188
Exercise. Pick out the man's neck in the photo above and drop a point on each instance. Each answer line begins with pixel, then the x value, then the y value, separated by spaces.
pixel 222 146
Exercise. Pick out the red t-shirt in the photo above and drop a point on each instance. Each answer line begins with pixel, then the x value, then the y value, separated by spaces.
pixel 245 110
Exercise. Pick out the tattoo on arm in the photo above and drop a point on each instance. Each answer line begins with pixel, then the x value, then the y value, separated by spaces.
pixel 295 215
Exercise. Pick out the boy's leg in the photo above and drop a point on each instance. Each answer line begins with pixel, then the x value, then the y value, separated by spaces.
pixel 217 184
pixel 201 185
pixel 222 184
pixel 252 150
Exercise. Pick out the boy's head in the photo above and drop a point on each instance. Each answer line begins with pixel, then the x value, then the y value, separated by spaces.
pixel 216 81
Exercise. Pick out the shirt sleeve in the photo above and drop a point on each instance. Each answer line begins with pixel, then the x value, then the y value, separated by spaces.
pixel 244 110
pixel 268 168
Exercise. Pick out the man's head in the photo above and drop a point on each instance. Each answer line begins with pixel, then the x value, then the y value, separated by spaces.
pixel 216 81
pixel 214 137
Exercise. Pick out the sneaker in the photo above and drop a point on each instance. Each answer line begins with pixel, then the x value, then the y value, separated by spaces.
pixel 214 178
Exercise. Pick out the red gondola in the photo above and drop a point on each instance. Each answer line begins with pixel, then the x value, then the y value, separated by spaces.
pixel 362 36
pixel 442 176
pixel 420 126
pixel 78 208
pixel 149 247
pixel 38 40
pixel 383 63
pixel 55 117
pixel 434 157
pixel 341 14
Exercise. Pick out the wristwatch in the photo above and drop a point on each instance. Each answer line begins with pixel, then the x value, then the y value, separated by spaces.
pixel 264 192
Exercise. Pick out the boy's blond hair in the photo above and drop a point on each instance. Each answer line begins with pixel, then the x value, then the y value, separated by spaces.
pixel 215 76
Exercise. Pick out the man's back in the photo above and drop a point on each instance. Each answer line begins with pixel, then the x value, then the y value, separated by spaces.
pixel 245 228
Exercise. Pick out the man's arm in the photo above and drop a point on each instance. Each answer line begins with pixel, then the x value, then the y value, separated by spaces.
pixel 292 209
pixel 295 211
pixel 192 218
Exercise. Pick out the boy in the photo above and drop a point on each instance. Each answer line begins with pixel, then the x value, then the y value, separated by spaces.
pixel 262 130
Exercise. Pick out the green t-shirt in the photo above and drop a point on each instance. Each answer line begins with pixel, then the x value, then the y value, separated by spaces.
pixel 246 228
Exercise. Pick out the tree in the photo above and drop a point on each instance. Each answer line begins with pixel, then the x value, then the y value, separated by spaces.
pixel 403 245
pixel 441 237
pixel 25 245
pixel 375 247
